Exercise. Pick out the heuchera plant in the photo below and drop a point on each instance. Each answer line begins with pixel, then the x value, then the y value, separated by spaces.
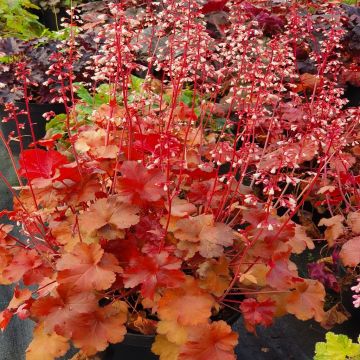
pixel 158 204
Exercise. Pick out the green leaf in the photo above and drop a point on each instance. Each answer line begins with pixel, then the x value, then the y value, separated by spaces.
pixel 84 94
pixel 6 59
pixel 187 97
pixel 17 21
pixel 57 124
pixel 136 83
pixel 336 347
pixel 102 95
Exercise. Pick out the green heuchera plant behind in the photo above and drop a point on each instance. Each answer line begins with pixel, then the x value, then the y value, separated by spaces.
pixel 337 347
pixel 16 20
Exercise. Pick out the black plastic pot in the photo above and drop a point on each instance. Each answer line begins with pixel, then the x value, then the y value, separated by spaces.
pixel 51 19
pixel 134 347
pixel 36 112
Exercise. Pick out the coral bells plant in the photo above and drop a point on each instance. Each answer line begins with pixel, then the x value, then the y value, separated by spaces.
pixel 169 194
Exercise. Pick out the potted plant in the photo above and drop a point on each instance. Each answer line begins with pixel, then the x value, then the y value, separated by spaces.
pixel 158 205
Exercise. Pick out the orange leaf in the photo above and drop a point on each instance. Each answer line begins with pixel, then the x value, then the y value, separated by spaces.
pixel 46 346
pixel 93 332
pixel 65 232
pixel 353 219
pixel 350 252
pixel 164 348
pixel 4 234
pixel 211 235
pixel 188 305
pixel 87 267
pixel 308 82
pixel 93 143
pixel 108 218
pixel 214 275
pixel 173 331
pixel 335 228
pixel 5 317
pixel 180 207
pixel 28 265
pixel 307 300
pixel 215 341
pixel 300 241
pixel 5 260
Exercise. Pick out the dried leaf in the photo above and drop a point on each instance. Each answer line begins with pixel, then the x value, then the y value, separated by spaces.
pixel 336 315
pixel 140 323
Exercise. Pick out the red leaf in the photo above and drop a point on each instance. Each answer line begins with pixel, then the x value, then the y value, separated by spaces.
pixel 20 296
pixel 57 312
pixel 5 317
pixel 37 163
pixel 281 276
pixel 213 5
pixel 28 266
pixel 159 270
pixel 139 183
pixel 257 313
